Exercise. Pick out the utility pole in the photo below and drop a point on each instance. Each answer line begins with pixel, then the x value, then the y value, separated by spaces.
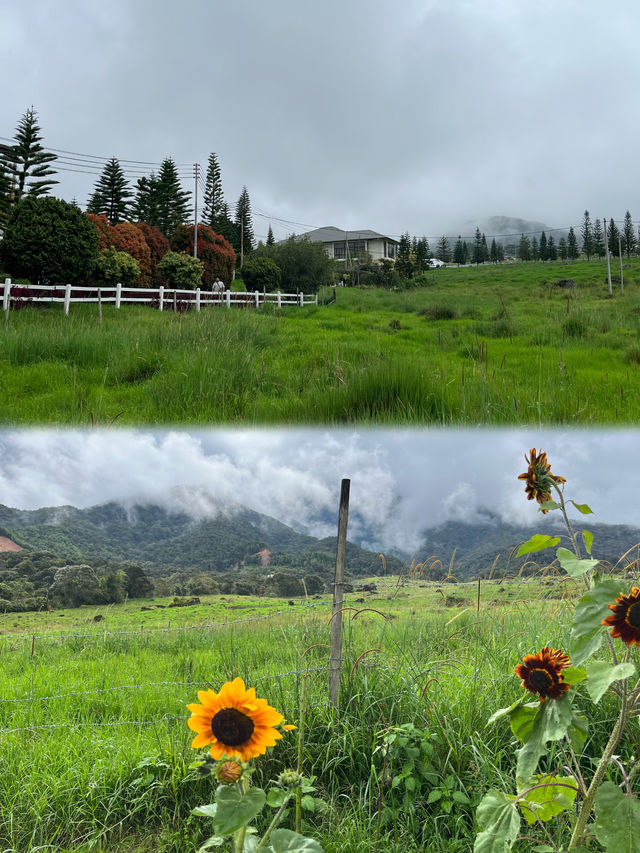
pixel 606 249
pixel 196 175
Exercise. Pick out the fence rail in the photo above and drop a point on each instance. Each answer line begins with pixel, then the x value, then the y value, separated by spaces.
pixel 162 298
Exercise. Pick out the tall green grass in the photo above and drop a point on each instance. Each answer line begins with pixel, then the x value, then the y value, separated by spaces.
pixel 493 344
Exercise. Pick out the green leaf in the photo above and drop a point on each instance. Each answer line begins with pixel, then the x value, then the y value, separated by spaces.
pixel 461 797
pixel 551 723
pixel 522 719
pixel 308 802
pixel 538 542
pixel 578 731
pixel 434 796
pixel 276 797
pixel 499 823
pixel 205 811
pixel 250 843
pixel 585 509
pixel 503 712
pixel 545 803
pixel 547 505
pixel 210 843
pixel 572 565
pixel 617 822
pixel 602 674
pixel 573 675
pixel 587 538
pixel 586 633
pixel 287 841
pixel 235 808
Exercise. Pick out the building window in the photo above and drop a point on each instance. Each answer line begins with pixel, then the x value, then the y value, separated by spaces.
pixel 338 250
pixel 391 250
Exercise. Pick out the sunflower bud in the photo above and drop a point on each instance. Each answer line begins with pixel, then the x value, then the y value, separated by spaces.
pixel 229 772
pixel 289 779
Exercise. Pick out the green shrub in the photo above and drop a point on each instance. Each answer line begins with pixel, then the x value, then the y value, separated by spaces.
pixel 439 312
pixel 181 271
pixel 261 274
pixel 113 267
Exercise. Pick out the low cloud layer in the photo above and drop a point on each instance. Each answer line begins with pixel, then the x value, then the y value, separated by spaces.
pixel 402 481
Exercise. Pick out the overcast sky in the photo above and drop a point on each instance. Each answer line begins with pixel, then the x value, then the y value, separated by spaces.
pixel 419 115
pixel 402 481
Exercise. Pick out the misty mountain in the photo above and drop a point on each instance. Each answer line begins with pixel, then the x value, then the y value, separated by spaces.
pixel 506 229
pixel 158 539
pixel 475 547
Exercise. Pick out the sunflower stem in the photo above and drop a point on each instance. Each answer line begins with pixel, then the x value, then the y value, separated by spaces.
pixel 240 834
pixel 577 838
pixel 572 535
pixel 276 820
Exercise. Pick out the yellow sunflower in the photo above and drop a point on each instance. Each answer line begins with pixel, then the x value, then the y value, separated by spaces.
pixel 539 477
pixel 234 721
pixel 542 673
pixel 625 619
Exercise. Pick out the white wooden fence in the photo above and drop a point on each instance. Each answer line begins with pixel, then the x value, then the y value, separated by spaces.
pixel 161 298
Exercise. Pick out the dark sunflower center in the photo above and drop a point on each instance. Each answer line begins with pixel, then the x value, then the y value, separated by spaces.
pixel 231 727
pixel 633 615
pixel 540 679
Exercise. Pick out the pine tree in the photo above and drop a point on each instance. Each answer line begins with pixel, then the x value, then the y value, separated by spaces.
pixel 213 198
pixel 493 253
pixel 597 239
pixel 563 252
pixel 588 236
pixel 5 192
pixel 270 238
pixel 243 221
pixel 552 250
pixel 421 254
pixel 524 249
pixel 535 249
pixel 111 194
pixel 572 245
pixel 458 251
pixel 145 206
pixel 404 262
pixel 225 226
pixel 443 253
pixel 27 162
pixel 629 234
pixel 477 255
pixel 613 238
pixel 172 200
pixel 544 247
pixel 485 249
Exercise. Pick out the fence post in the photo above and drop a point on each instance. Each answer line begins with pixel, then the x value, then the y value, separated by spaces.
pixel 279 301
pixel 67 298
pixel 227 298
pixel 257 298
pixel 99 306
pixel 7 291
pixel 338 594
pixel 175 301
pixel 197 298
pixel 118 294
pixel 161 297
pixel 301 299
pixel 316 298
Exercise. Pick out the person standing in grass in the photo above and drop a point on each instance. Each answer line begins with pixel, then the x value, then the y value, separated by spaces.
pixel 218 288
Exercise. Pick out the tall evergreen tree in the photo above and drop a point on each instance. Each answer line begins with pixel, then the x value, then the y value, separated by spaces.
pixel 629 234
pixel 404 257
pixel 270 238
pixel 524 248
pixel 443 252
pixel 614 238
pixel 145 206
pixel 458 252
pixel 243 221
pixel 572 245
pixel 421 254
pixel 225 226
pixel 26 161
pixel 562 248
pixel 5 193
pixel 597 240
pixel 485 249
pixel 477 254
pixel 494 254
pixel 543 247
pixel 535 249
pixel 552 249
pixel 587 236
pixel 111 194
pixel 172 200
pixel 213 198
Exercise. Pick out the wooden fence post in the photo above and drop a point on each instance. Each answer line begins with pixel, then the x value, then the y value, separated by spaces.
pixel 301 299
pixel 99 306
pixel 7 292
pixel 338 595
pixel 67 298
pixel 279 300
pixel 161 298
pixel 227 298
pixel 197 298
pixel 175 301
pixel 257 298
pixel 118 294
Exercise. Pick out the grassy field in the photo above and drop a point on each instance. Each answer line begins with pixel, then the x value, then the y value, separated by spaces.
pixel 95 747
pixel 490 345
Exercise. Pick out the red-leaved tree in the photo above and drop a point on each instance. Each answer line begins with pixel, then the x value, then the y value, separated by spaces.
pixel 125 237
pixel 158 246
pixel 214 251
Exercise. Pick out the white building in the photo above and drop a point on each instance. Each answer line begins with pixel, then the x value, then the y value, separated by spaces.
pixel 351 244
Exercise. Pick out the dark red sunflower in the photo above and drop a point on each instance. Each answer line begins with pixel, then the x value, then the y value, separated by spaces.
pixel 542 673
pixel 625 619
pixel 539 477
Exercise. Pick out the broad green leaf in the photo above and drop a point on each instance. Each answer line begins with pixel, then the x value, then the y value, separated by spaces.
pixel 585 509
pixel 545 803
pixel 602 674
pixel 276 797
pixel 461 797
pixel 205 811
pixel 578 731
pixel 235 808
pixel 503 712
pixel 250 843
pixel 547 505
pixel 551 723
pixel 572 565
pixel 287 841
pixel 587 538
pixel 434 796
pixel 499 823
pixel 538 542
pixel 573 675
pixel 617 822
pixel 586 631
pixel 210 843
pixel 308 802
pixel 522 719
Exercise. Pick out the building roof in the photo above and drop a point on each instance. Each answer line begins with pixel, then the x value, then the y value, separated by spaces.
pixel 331 234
